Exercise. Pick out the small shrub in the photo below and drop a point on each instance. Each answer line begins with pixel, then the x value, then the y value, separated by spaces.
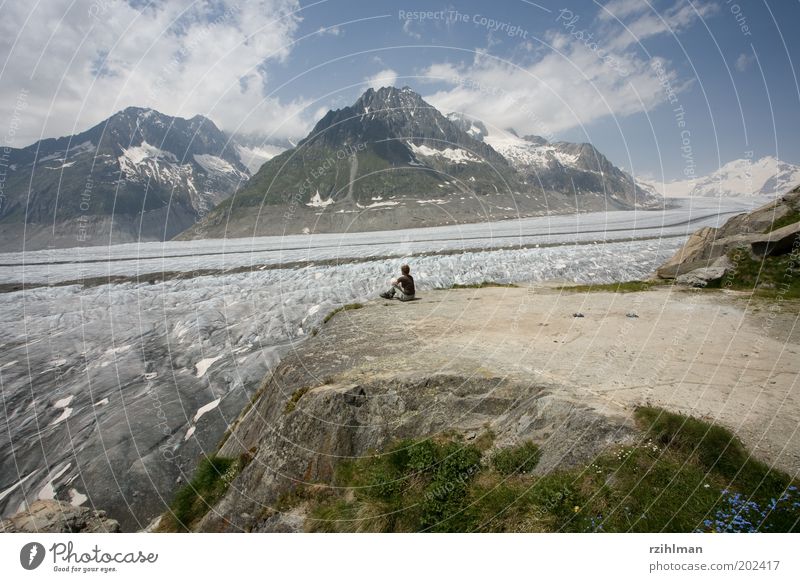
pixel 519 459
pixel 291 404
pixel 208 485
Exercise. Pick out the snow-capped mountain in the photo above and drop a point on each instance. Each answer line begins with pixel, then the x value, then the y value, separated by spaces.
pixel 392 160
pixel 139 175
pixel 767 176
pixel 577 168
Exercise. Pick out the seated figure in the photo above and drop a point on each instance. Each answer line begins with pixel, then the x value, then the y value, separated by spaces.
pixel 403 287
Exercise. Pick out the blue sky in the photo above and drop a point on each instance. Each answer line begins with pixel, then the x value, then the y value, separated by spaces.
pixel 666 89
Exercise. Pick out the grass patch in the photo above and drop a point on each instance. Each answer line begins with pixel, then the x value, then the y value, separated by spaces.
pixel 521 459
pixel 208 485
pixel 684 475
pixel 622 287
pixel 481 285
pixel 715 449
pixel 791 218
pixel 291 404
pixel 769 276
pixel 348 307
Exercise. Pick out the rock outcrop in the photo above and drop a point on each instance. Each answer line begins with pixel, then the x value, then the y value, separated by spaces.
pixel 52 516
pixel 770 230
pixel 304 424
pixel 510 361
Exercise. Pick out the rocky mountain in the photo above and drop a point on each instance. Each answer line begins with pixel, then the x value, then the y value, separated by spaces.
pixel 572 167
pixel 139 175
pixel 391 160
pixel 575 168
pixel 767 176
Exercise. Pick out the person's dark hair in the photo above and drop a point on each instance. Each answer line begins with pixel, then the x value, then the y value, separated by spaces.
pixel 405 269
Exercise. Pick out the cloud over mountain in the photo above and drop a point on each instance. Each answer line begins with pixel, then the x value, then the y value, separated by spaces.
pixel 79 62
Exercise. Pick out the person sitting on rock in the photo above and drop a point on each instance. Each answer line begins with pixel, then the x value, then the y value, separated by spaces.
pixel 402 287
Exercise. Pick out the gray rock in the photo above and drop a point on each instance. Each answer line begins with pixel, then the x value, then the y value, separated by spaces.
pixel 707 275
pixel 777 242
pixel 51 516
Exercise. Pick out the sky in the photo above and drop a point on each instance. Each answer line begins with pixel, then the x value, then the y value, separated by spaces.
pixel 666 89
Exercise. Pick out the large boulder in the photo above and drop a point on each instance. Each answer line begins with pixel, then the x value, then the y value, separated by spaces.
pixel 52 516
pixel 777 242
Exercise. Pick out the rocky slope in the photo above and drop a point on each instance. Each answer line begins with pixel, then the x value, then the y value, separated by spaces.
pixel 139 175
pixel 773 230
pixel 525 370
pixel 391 160
pixel 575 168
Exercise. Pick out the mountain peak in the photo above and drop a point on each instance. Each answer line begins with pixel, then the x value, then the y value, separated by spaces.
pixel 389 98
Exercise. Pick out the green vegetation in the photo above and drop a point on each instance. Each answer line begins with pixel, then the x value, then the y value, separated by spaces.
pixel 347 307
pixel 521 459
pixel 683 475
pixel 314 167
pixel 622 287
pixel 770 276
pixel 791 218
pixel 291 404
pixel 209 484
pixel 481 285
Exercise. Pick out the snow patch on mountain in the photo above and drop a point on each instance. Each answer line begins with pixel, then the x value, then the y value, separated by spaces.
pixel 521 152
pixel 385 203
pixel 72 151
pixel 317 201
pixel 214 164
pixel 137 154
pixel 455 155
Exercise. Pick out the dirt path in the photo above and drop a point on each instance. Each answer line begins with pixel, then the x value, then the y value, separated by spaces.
pixel 720 356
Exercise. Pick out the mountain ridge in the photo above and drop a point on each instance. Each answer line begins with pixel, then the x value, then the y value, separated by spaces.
pixel 391 161
pixel 766 176
pixel 138 175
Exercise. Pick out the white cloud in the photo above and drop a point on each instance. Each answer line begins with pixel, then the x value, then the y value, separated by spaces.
pixel 80 62
pixel 622 9
pixel 743 62
pixel 331 30
pixel 643 21
pixel 408 28
pixel 587 74
pixel 555 93
pixel 384 78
